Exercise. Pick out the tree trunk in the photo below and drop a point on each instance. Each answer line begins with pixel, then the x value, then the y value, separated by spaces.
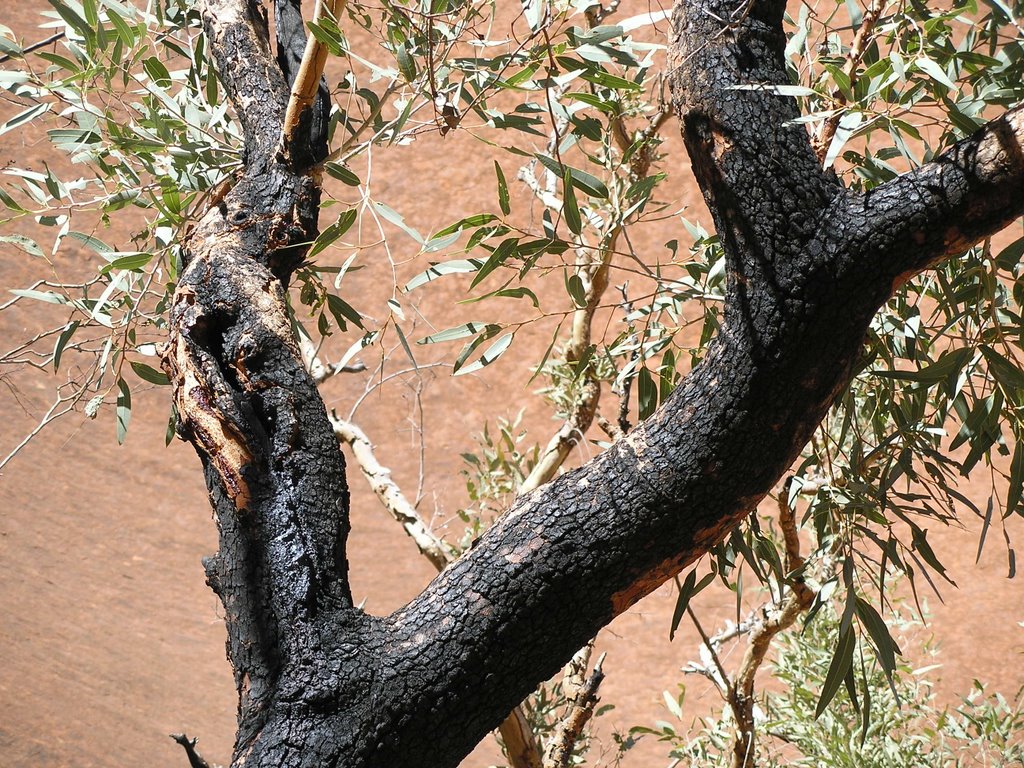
pixel 320 682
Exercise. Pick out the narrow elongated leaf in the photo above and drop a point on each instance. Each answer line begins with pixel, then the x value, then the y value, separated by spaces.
pixel 406 64
pixel 92 242
pixel 582 180
pixel 48 296
pixel 452 334
pixel 124 410
pixel 986 524
pixel 390 214
pixel 506 293
pixel 933 70
pixel 574 285
pixel 570 207
pixel 333 232
pixel 687 591
pixel 647 393
pixel 150 374
pixel 1009 376
pixel 495 260
pixel 496 350
pixel 503 197
pixel 342 173
pixel 842 660
pixel 131 262
pixel 343 311
pixel 469 222
pixel 62 342
pixel 443 268
pixel 885 646
pixel 23 117
pixel 1014 492
pixel 26 244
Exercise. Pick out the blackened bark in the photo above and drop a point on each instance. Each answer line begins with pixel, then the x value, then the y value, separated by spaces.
pixel 244 399
pixel 320 683
pixel 310 145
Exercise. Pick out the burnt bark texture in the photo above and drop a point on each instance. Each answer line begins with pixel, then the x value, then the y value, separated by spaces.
pixel 320 683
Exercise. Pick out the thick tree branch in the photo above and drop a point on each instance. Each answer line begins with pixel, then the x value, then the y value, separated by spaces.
pixel 246 402
pixel 808 265
pixel 942 208
pixel 239 40
pixel 518 737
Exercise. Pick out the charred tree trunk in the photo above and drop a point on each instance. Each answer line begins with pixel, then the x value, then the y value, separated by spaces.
pixel 320 682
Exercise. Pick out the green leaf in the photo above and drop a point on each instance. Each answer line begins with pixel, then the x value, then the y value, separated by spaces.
pixel 883 641
pixel 28 245
pixel 946 368
pixel 611 107
pixel 921 546
pixel 333 232
pixel 92 242
pixel 405 345
pixel 342 173
pixel 157 71
pixel 172 425
pixel 842 660
pixel 647 393
pixel 390 214
pixel 406 65
pixel 62 342
pixel 496 350
pixel 535 12
pixel 150 374
pixel 506 293
pixel 582 180
pixel 443 268
pixel 495 260
pixel 569 207
pixel 124 410
pixel 469 222
pixel 48 296
pixel 343 311
pixel 608 80
pixel 76 22
pixel 1009 376
pixel 574 285
pixel 1016 486
pixel 933 70
pixel 689 588
pixel 23 117
pixel 70 139
pixel 503 198
pixel 132 262
pixel 452 334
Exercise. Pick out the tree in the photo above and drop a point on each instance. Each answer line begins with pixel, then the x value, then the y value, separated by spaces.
pixel 808 263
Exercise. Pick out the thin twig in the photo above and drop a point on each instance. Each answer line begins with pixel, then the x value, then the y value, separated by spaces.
pixel 35 46
pixel 774 619
pixel 582 701
pixel 195 760
pixel 390 495
pixel 828 129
